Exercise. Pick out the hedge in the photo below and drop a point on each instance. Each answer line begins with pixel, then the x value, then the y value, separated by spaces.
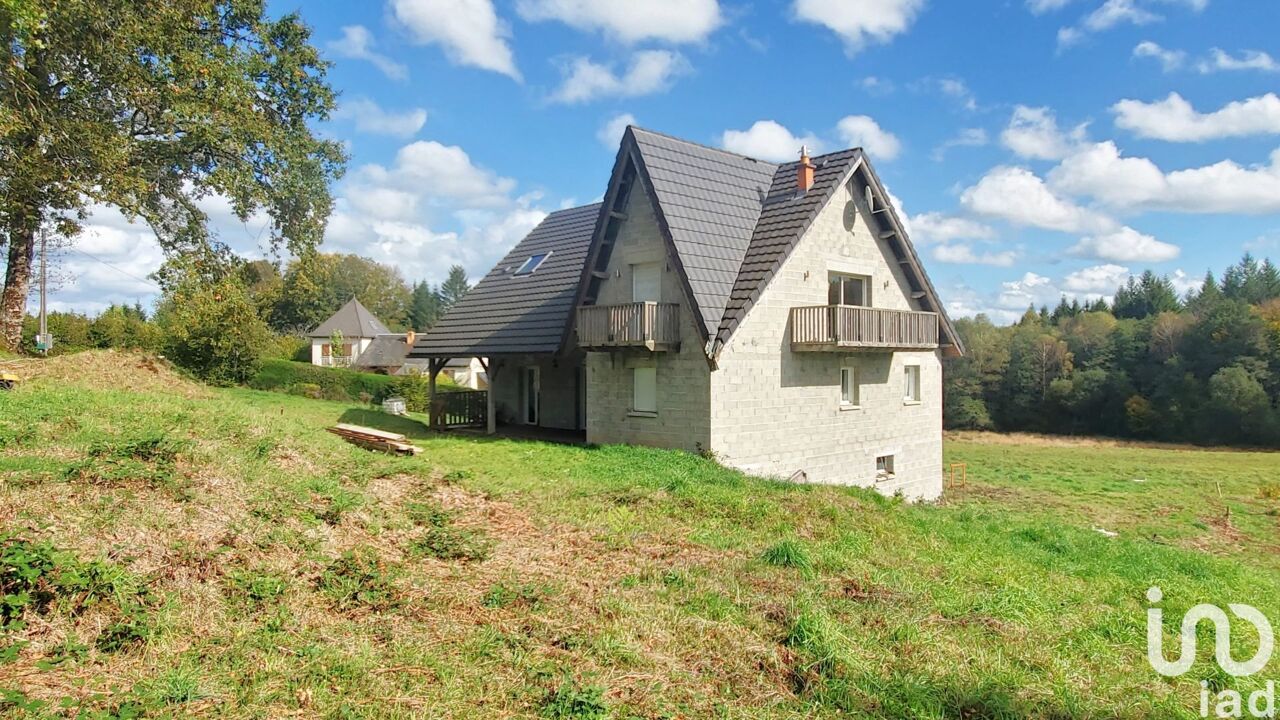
pixel 326 383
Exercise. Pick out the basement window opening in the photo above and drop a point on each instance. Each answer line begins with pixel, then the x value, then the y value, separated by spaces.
pixel 884 467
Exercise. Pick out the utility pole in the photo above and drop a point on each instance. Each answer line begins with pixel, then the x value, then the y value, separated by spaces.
pixel 44 343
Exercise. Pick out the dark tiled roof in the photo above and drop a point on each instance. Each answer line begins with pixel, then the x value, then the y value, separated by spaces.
pixel 506 314
pixel 353 320
pixel 385 351
pixel 785 216
pixel 711 200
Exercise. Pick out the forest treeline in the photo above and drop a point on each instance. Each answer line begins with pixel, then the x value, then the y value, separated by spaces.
pixel 1202 368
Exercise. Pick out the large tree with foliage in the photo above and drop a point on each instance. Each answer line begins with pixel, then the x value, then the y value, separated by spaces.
pixel 150 106
pixel 454 286
pixel 317 284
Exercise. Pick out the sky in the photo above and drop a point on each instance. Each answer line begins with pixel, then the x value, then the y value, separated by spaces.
pixel 1036 148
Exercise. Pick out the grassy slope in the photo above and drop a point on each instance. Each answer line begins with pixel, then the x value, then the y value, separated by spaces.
pixel 655 584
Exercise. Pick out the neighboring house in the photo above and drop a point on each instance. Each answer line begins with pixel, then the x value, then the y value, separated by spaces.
pixel 388 354
pixel 467 372
pixel 359 329
pixel 773 316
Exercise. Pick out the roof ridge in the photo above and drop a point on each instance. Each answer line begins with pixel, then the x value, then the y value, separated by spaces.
pixel 704 146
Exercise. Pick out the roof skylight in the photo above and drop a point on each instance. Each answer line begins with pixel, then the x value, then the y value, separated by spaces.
pixel 532 264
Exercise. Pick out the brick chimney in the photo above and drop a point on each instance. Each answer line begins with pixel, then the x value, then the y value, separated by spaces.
pixel 804 176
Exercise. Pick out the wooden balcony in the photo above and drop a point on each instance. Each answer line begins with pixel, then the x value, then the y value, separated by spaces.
pixel 650 325
pixel 839 328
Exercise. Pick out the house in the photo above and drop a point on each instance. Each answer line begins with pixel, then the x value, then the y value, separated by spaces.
pixel 467 372
pixel 359 329
pixel 388 354
pixel 774 316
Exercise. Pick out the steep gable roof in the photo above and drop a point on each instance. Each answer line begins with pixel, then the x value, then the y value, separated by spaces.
pixel 353 320
pixel 508 314
pixel 786 214
pixel 708 201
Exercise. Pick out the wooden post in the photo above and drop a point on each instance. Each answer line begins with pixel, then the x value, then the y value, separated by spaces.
pixel 491 410
pixel 436 365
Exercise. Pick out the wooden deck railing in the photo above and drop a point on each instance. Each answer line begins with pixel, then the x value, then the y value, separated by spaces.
pixel 651 325
pixel 838 327
pixel 460 408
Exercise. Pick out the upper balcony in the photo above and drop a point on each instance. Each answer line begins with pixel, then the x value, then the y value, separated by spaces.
pixel 840 328
pixel 651 325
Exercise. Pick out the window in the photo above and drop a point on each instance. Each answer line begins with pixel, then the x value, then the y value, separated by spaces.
pixel 849 290
pixel 849 388
pixel 646 282
pixel 884 467
pixel 645 390
pixel 911 384
pixel 532 263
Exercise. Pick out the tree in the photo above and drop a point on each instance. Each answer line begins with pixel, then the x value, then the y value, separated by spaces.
pixel 212 329
pixel 1148 295
pixel 424 306
pixel 454 286
pixel 149 107
pixel 317 284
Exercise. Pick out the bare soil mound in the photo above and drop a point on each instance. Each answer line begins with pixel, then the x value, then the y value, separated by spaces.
pixel 108 369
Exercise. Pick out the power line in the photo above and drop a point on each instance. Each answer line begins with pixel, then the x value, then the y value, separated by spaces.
pixel 117 269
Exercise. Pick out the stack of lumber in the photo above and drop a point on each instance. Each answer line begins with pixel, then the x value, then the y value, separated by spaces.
pixel 374 439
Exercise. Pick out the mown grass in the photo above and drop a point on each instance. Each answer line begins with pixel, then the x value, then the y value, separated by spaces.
pixel 245 563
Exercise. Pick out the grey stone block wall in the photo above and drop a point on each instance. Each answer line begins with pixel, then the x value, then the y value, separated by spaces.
pixel 683 377
pixel 558 380
pixel 775 412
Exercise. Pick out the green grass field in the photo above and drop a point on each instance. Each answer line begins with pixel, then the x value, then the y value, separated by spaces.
pixel 172 550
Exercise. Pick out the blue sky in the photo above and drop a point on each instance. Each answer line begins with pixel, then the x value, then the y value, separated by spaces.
pixel 1037 147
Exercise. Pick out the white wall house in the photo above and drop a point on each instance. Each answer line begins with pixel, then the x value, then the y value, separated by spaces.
pixel 774 316
pixel 359 329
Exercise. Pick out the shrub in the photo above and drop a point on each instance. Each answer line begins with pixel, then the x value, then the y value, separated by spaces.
pixel 213 330
pixel 320 382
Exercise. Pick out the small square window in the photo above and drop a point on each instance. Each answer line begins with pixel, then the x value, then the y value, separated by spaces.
pixel 532 263
pixel 911 384
pixel 644 390
pixel 884 467
pixel 849 387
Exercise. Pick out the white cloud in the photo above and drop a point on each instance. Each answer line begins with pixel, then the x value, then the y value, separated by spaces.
pixel 1043 6
pixel 1030 289
pixel 1096 280
pixel 677 21
pixel 1248 60
pixel 1125 245
pixel 1169 60
pixel 435 171
pixel 964 254
pixel 958 89
pixel 862 131
pixel 469 31
pixel 358 43
pixel 877 85
pixel 650 71
pixel 862 23
pixel 1119 12
pixel 610 133
pixel 1129 183
pixel 369 117
pixel 1020 197
pixel 1033 133
pixel 768 140
pixel 1183 283
pixel 934 227
pixel 1175 120
pixel 967 137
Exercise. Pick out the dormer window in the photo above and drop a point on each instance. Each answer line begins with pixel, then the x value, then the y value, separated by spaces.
pixel 531 264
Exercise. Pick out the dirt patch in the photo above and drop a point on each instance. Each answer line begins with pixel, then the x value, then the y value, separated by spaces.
pixel 113 369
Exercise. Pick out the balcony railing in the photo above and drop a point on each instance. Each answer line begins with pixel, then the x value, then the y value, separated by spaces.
pixel 833 328
pixel 651 325
pixel 335 361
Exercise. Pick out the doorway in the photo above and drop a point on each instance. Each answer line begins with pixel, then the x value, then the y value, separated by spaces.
pixel 530 394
